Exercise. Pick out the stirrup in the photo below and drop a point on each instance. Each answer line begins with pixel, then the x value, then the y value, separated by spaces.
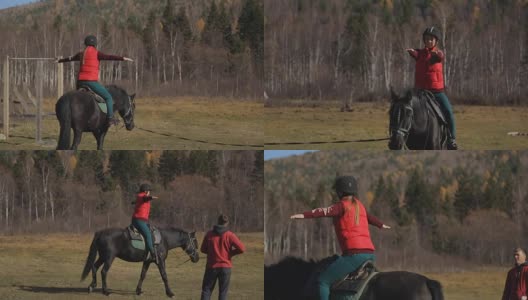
pixel 113 121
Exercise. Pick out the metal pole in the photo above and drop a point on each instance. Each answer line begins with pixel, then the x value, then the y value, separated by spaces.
pixel 39 101
pixel 60 82
pixel 6 98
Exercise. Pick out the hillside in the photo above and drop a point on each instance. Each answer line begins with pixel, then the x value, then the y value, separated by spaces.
pixel 452 207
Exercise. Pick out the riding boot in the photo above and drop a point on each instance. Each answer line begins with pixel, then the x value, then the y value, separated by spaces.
pixel 112 121
pixel 154 255
pixel 451 144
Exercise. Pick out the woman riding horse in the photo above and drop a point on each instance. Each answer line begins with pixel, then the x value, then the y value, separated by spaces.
pixel 351 222
pixel 141 217
pixel 429 76
pixel 89 72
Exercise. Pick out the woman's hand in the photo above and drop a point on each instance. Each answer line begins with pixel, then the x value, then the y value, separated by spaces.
pixel 127 59
pixel 385 226
pixel 410 51
pixel 297 216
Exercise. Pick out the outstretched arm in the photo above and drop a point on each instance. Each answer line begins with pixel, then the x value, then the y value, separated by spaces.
pixel 102 56
pixel 331 211
pixel 412 52
pixel 75 57
pixel 376 222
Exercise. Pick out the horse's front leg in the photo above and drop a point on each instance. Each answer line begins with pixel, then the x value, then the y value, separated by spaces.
pixel 99 137
pixel 77 134
pixel 161 267
pixel 146 265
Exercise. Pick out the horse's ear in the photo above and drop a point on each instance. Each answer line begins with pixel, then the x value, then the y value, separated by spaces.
pixel 394 96
pixel 132 96
pixel 409 95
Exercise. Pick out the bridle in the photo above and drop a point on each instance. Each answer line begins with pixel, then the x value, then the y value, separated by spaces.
pixel 129 111
pixel 401 124
pixel 190 248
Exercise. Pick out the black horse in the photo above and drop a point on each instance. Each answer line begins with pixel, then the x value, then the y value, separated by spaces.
pixel 114 242
pixel 288 280
pixel 78 110
pixel 414 124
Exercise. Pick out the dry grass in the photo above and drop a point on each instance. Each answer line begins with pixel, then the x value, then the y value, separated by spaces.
pixel 187 120
pixel 49 267
pixel 483 284
pixel 478 127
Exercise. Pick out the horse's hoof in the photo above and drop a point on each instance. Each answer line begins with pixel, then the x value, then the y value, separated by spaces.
pixel 138 292
pixel 170 294
pixel 106 293
pixel 90 289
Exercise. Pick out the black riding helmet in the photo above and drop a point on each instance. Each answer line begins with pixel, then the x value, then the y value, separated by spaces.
pixel 144 187
pixel 90 41
pixel 433 31
pixel 345 186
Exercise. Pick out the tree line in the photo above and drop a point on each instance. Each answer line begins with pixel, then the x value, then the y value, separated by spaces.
pixel 463 206
pixel 54 191
pixel 355 49
pixel 205 48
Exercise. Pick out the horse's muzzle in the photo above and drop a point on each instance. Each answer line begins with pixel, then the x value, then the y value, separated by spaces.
pixel 129 126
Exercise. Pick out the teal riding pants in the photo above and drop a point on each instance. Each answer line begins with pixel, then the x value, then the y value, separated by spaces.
pixel 447 110
pixel 101 91
pixel 338 270
pixel 145 232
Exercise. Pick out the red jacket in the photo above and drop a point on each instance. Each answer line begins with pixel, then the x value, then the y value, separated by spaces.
pixel 220 245
pixel 429 73
pixel 142 209
pixel 352 238
pixel 89 59
pixel 516 283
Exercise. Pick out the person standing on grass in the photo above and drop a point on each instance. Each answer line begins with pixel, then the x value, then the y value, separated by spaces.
pixel 516 284
pixel 220 245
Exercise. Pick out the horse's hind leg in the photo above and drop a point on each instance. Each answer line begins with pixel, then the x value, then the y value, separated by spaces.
pixel 104 271
pixel 95 267
pixel 144 270
pixel 161 267
pixel 77 134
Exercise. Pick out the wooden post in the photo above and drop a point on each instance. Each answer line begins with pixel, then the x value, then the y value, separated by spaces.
pixel 60 80
pixel 39 101
pixel 6 98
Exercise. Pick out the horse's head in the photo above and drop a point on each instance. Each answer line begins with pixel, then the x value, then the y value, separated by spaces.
pixel 127 112
pixel 401 118
pixel 125 104
pixel 191 247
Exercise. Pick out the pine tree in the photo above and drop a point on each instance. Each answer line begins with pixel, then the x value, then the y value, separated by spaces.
pixel 251 30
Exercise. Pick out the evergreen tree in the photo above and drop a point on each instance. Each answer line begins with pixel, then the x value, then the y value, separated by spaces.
pixel 128 168
pixel 251 30
pixel 419 200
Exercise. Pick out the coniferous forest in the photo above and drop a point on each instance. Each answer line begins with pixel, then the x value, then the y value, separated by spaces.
pixel 203 48
pixel 52 191
pixel 355 49
pixel 452 208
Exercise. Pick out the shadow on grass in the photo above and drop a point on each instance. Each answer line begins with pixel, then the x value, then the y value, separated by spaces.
pixel 69 290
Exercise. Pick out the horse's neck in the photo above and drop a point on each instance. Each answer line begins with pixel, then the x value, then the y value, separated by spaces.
pixel 419 123
pixel 174 238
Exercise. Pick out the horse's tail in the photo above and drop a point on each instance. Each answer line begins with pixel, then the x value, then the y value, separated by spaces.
pixel 91 257
pixel 435 288
pixel 63 111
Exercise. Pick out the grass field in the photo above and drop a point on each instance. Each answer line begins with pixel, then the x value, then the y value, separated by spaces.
pixel 222 123
pixel 478 127
pixel 482 284
pixel 49 267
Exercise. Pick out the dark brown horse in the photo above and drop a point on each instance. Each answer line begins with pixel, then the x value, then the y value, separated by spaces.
pixel 288 280
pixel 78 110
pixel 114 242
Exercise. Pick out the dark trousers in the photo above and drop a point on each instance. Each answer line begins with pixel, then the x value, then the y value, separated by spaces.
pixel 223 275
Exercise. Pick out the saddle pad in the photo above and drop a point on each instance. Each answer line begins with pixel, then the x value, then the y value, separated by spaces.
pixel 433 104
pixel 351 290
pixel 138 244
pixel 98 99
pixel 137 239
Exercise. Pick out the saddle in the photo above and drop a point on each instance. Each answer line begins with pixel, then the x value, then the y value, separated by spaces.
pixel 433 105
pixel 356 281
pixel 98 99
pixel 351 287
pixel 137 239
